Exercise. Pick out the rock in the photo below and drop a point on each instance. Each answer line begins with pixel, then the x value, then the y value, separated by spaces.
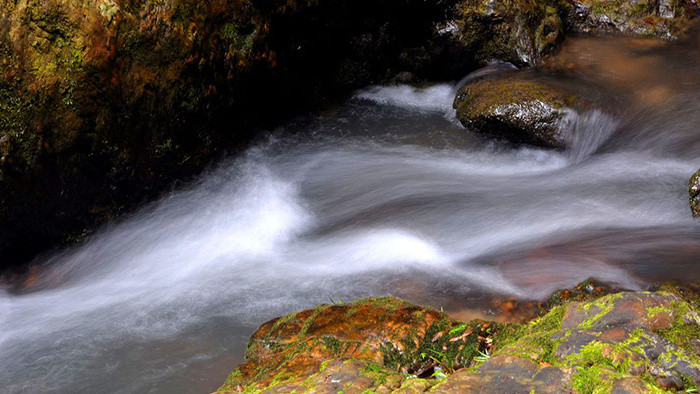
pixel 385 338
pixel 615 344
pixel 694 190
pixel 520 111
pixel 664 18
pixel 520 31
pixel 629 386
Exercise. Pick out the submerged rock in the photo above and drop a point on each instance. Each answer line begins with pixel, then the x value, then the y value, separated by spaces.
pixel 624 342
pixel 664 18
pixel 694 189
pixel 520 111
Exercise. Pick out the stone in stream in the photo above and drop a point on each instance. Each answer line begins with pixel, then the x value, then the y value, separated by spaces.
pixel 520 111
pixel 520 31
pixel 694 190
pixel 623 342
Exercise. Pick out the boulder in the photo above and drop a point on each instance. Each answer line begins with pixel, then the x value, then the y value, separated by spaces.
pixel 623 342
pixel 520 31
pixel 383 339
pixel 694 190
pixel 518 110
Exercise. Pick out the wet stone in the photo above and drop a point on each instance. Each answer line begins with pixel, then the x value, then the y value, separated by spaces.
pixel 574 343
pixel 629 386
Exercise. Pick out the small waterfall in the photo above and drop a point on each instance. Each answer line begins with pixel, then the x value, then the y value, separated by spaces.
pixel 587 132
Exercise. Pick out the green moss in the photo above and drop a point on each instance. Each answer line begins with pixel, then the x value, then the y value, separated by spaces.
pixel 592 379
pixel 381 302
pixel 682 333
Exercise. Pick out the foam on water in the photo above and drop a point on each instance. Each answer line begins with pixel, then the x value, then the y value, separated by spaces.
pixel 437 98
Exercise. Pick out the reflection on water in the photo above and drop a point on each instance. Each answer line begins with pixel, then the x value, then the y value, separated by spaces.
pixel 386 194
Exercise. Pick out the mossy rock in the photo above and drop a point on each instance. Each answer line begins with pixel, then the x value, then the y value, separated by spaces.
pixel 518 110
pixel 633 341
pixel 694 190
pixel 387 339
pixel 664 19
pixel 518 31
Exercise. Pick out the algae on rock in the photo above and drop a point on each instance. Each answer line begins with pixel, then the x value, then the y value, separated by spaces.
pixel 638 341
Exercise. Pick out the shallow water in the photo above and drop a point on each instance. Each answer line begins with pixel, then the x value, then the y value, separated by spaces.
pixel 386 194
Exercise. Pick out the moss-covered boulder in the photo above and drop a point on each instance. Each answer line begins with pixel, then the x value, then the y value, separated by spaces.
pixel 664 18
pixel 520 31
pixel 630 342
pixel 375 343
pixel 518 110
pixel 694 190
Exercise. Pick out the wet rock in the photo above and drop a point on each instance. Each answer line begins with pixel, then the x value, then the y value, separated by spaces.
pixel 520 111
pixel 665 18
pixel 628 386
pixel 694 190
pixel 385 338
pixel 574 342
pixel 520 31
pixel 610 344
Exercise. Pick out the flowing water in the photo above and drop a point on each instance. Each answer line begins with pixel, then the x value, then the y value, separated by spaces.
pixel 385 194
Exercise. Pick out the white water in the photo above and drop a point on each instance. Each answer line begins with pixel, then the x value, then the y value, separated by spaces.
pixel 386 195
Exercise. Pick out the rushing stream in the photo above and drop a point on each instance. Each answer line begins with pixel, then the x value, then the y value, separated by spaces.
pixel 385 194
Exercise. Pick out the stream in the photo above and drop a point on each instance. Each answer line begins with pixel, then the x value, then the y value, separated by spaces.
pixel 384 194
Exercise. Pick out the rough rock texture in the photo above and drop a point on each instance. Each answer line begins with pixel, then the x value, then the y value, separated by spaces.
pixel 520 31
pixel 373 344
pixel 694 190
pixel 520 111
pixel 620 343
pixel 659 18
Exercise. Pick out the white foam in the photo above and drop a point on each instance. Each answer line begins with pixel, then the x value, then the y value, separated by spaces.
pixel 436 98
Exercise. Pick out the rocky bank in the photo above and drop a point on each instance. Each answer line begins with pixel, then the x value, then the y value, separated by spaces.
pixel 583 342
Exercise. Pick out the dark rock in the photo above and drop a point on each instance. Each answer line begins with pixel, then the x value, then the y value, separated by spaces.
pixel 574 342
pixel 694 190
pixel 520 111
pixel 520 31
pixel 630 385
pixel 668 381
